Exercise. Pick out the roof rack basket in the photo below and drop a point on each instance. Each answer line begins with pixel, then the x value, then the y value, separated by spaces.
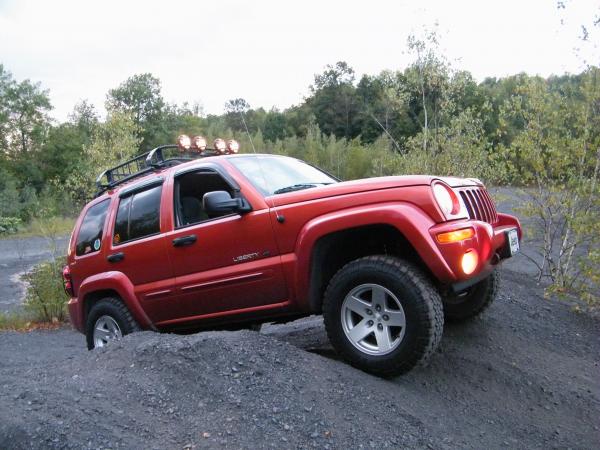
pixel 144 164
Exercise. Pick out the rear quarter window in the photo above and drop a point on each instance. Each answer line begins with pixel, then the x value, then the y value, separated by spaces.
pixel 89 236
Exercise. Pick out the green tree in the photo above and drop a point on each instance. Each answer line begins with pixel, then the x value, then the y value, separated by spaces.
pixel 113 141
pixel 275 126
pixel 334 102
pixel 235 113
pixel 427 80
pixel 140 97
pixel 24 111
pixel 558 154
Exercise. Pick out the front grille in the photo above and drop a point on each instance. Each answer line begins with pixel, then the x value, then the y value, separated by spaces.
pixel 479 204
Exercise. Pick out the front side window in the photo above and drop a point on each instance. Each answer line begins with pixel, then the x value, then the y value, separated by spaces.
pixel 189 194
pixel 280 174
pixel 138 216
pixel 89 238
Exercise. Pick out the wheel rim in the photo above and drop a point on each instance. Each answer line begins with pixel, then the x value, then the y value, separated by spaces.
pixel 106 329
pixel 373 319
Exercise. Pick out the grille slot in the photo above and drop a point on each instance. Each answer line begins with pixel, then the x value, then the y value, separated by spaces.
pixel 479 204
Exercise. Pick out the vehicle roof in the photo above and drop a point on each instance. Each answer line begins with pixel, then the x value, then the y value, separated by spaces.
pixel 165 170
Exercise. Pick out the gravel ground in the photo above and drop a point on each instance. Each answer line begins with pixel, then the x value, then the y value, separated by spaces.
pixel 524 375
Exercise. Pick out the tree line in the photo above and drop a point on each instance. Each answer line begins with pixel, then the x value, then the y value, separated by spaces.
pixel 523 130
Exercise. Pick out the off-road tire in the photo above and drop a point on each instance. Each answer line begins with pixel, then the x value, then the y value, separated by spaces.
pixel 115 308
pixel 473 302
pixel 418 297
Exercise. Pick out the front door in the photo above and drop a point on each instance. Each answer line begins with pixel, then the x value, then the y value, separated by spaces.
pixel 222 263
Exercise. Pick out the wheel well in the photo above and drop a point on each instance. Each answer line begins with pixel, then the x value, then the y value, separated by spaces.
pixel 333 251
pixel 93 297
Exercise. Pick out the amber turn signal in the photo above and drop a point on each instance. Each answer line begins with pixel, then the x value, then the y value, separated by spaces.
pixel 455 236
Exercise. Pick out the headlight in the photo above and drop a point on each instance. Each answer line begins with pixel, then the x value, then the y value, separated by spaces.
pixel 450 204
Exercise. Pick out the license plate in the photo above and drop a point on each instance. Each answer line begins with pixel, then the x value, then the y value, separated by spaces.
pixel 513 241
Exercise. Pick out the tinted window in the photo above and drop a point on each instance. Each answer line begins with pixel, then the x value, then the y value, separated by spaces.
pixel 89 238
pixel 138 215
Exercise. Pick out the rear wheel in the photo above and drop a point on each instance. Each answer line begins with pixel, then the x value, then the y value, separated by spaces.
pixel 472 302
pixel 108 320
pixel 383 315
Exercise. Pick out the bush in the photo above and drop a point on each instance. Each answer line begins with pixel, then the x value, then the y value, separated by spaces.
pixel 9 225
pixel 45 300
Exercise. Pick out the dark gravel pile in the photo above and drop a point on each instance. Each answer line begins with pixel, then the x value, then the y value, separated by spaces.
pixel 214 389
pixel 525 375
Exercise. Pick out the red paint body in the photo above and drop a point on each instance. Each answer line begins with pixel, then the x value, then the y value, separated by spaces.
pixel 204 285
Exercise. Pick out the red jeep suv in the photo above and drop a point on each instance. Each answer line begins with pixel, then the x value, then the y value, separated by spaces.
pixel 209 238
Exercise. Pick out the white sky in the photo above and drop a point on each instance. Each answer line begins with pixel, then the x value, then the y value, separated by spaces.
pixel 268 51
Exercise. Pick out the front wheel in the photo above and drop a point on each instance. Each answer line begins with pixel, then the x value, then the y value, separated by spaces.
pixel 108 320
pixel 383 315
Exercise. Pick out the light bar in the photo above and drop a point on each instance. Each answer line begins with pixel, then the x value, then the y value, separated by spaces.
pixel 233 146
pixel 184 142
pixel 199 143
pixel 220 146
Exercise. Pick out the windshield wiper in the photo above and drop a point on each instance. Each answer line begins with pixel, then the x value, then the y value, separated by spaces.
pixel 297 187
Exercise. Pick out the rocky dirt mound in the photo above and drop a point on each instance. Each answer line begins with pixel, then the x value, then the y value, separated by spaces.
pixel 214 389
pixel 523 375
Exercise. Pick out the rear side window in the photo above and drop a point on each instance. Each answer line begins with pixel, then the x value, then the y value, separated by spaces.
pixel 138 216
pixel 89 238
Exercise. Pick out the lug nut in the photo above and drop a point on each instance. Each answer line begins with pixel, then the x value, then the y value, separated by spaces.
pixel 386 317
pixel 378 308
pixel 380 326
pixel 370 323
pixel 369 312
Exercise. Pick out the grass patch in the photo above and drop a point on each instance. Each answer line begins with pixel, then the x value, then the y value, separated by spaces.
pixel 21 321
pixel 52 226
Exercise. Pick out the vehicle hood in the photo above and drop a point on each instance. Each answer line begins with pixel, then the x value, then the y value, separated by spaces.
pixel 367 184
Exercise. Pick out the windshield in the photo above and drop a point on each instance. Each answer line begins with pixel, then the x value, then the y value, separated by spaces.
pixel 280 174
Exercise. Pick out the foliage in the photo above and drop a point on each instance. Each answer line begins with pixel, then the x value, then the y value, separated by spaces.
pixel 140 98
pixel 112 141
pixel 23 114
pixel 558 154
pixel 9 225
pixel 48 225
pixel 45 300
pixel 13 321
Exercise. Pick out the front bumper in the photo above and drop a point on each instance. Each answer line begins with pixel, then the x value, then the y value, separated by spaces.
pixel 489 241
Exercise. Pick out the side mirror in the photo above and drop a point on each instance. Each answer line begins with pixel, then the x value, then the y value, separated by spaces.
pixel 221 202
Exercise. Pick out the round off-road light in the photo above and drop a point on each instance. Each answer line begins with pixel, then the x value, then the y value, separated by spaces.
pixel 184 142
pixel 220 145
pixel 199 143
pixel 233 146
pixel 469 261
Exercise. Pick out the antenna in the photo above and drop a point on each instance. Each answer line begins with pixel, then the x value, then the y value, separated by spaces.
pixel 368 109
pixel 280 217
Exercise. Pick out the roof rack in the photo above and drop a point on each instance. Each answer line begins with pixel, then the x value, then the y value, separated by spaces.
pixel 144 164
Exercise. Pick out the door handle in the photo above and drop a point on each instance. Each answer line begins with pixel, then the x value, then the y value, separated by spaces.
pixel 116 257
pixel 184 240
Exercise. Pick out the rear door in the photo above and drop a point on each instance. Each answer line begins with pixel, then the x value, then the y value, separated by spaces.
pixel 138 248
pixel 222 263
